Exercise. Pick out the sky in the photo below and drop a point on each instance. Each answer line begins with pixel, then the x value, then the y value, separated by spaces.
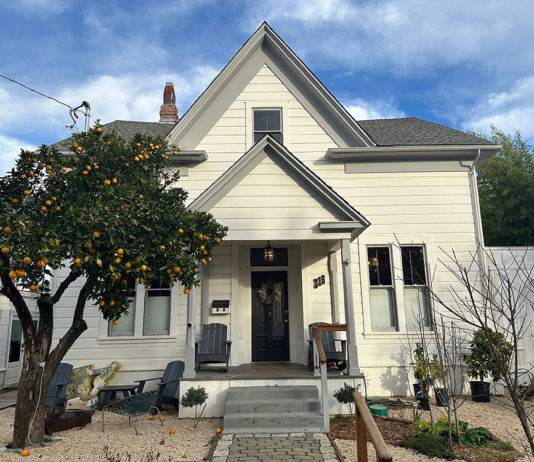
pixel 465 64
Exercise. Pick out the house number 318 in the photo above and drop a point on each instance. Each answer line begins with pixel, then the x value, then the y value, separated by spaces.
pixel 318 282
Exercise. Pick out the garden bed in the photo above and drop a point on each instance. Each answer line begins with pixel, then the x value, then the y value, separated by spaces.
pixel 88 443
pixel 495 416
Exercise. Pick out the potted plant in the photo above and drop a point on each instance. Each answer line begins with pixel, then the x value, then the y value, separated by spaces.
pixel 427 371
pixel 481 362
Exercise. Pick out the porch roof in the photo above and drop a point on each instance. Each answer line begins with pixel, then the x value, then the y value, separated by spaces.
pixel 338 217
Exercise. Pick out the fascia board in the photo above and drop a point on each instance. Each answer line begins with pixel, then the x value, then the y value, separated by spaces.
pixel 186 157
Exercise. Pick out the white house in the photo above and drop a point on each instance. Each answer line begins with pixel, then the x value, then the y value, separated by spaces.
pixel 349 207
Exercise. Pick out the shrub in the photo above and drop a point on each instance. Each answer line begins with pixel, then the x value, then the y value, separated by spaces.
pixel 504 446
pixel 195 397
pixel 481 362
pixel 428 444
pixel 344 395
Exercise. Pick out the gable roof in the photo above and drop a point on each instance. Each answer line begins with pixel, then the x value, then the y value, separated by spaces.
pixel 412 131
pixel 126 129
pixel 266 47
pixel 308 179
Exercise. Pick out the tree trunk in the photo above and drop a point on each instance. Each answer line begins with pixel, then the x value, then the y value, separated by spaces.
pixel 34 381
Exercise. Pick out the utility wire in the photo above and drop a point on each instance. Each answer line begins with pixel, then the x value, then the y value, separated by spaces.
pixel 35 91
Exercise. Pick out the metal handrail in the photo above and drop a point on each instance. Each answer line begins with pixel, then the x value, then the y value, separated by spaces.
pixel 365 424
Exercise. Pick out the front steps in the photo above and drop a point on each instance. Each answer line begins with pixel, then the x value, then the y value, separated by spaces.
pixel 273 410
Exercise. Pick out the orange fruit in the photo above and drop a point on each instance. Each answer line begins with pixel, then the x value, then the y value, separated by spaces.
pixel 172 431
pixel 107 182
pixel 26 260
pixel 49 203
pixel 96 234
pixel 33 288
pixel 127 265
pixel 141 280
pixel 117 260
pixel 7 230
pixel 162 418
pixel 112 303
pixel 209 258
pixel 45 260
pixel 114 180
pixel 57 208
pixel 162 248
pixel 12 274
pixel 204 252
pixel 120 251
pixel 15 201
pixel 176 269
pixel 200 236
pixel 150 417
pixel 180 231
pixel 102 303
pixel 115 322
pixel 218 430
pixel 27 193
pixel 40 264
pixel 150 275
pixel 63 169
pixel 84 172
pixel 99 130
pixel 136 159
pixel 5 250
pixel 186 290
pixel 143 267
pixel 78 262
pixel 25 453
pixel 148 287
pixel 140 196
pixel 44 209
pixel 203 261
pixel 217 240
pixel 138 144
pixel 21 273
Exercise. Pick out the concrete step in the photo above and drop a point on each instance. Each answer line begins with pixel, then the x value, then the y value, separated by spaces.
pixel 273 410
pixel 282 406
pixel 285 392
pixel 273 422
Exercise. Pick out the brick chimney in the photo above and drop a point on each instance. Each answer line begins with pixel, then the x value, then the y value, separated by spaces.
pixel 168 112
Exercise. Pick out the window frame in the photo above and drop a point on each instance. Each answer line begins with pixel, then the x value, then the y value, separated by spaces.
pixel 391 289
pixel 417 286
pixel 147 333
pixel 265 132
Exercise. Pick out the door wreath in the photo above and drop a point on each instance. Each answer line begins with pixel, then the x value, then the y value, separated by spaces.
pixel 269 293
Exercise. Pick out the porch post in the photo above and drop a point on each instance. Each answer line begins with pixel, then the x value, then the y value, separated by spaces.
pixel 189 369
pixel 332 277
pixel 352 349
pixel 204 290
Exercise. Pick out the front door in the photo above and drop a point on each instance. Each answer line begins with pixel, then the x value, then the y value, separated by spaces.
pixel 270 329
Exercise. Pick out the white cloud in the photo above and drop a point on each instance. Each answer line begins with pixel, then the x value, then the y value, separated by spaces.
pixel 404 37
pixel 508 110
pixel 365 110
pixel 39 6
pixel 9 150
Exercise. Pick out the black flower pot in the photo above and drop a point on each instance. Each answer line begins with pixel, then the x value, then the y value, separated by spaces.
pixel 442 397
pixel 422 398
pixel 480 392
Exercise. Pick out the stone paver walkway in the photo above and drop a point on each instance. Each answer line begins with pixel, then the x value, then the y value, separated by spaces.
pixel 248 447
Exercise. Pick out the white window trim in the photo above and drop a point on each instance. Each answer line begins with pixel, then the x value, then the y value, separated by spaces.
pixel 140 296
pixel 250 107
pixel 427 242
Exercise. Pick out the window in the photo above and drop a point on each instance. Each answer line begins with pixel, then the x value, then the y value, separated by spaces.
pixel 157 310
pixel 416 303
pixel 267 121
pixel 126 325
pixel 382 298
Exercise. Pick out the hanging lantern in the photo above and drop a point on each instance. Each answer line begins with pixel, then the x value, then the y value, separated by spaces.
pixel 373 261
pixel 268 253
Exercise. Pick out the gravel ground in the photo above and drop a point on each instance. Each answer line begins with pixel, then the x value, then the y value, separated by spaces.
pixel 87 444
pixel 497 416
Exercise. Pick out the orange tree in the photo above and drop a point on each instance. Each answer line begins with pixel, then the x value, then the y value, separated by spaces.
pixel 109 211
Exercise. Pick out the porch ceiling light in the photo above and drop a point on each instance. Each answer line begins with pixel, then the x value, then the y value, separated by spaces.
pixel 268 253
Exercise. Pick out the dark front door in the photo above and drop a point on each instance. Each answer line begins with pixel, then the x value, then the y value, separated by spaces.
pixel 270 329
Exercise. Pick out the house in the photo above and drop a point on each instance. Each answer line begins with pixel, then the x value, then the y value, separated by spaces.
pixel 354 215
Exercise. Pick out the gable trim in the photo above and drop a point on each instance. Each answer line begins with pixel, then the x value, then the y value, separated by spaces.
pixel 266 47
pixel 269 147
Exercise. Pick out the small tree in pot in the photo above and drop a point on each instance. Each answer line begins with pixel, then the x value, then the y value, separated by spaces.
pixel 427 369
pixel 482 362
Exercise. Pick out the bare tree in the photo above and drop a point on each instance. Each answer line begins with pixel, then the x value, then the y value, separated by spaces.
pixel 492 296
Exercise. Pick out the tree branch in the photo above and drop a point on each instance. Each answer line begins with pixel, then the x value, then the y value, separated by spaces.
pixel 64 285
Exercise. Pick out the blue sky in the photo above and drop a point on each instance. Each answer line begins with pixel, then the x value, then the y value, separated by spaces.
pixel 465 64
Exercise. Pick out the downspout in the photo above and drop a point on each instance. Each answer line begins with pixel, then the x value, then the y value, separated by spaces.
pixel 479 233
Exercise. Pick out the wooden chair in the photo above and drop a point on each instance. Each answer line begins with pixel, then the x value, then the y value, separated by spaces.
pixel 58 386
pixel 331 351
pixel 168 385
pixel 213 346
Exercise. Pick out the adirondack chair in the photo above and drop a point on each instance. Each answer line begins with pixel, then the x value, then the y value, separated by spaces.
pixel 133 406
pixel 58 386
pixel 168 385
pixel 213 347
pixel 330 348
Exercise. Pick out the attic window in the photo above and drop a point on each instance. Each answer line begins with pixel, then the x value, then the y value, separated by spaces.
pixel 267 121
